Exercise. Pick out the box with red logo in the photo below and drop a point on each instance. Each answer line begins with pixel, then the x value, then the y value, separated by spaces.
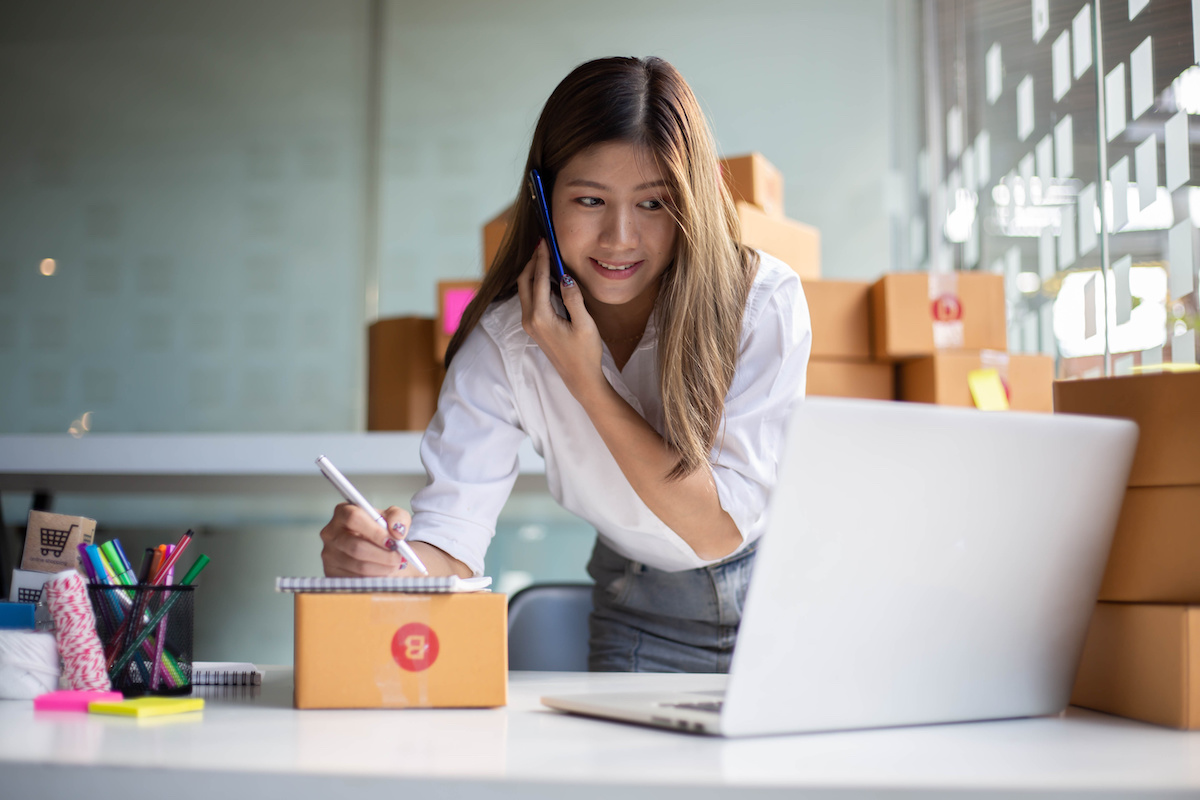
pixel 393 650
pixel 943 379
pixel 917 314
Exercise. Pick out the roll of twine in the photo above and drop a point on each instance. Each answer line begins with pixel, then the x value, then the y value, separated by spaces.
pixel 28 664
pixel 75 630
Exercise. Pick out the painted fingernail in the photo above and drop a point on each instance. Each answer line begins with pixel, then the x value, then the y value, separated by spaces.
pixel 392 545
pixel 568 280
pixel 403 563
pixel 399 528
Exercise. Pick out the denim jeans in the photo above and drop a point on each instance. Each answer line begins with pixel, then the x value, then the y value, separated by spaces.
pixel 647 620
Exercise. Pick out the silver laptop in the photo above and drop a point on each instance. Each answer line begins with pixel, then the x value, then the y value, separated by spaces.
pixel 922 564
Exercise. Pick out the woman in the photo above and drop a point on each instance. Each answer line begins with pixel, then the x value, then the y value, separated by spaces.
pixel 658 404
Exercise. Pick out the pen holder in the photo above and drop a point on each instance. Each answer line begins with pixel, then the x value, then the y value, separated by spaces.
pixel 155 624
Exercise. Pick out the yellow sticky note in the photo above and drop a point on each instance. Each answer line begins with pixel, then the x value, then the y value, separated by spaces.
pixel 987 390
pixel 148 706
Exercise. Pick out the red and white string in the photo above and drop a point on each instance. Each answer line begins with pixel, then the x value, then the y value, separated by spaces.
pixel 75 629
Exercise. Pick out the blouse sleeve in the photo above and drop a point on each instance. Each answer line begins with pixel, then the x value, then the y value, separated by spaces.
pixel 767 385
pixel 456 511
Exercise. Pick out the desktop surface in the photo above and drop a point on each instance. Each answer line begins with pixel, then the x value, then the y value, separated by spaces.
pixel 253 743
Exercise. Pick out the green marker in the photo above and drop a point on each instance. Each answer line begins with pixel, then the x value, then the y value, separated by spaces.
pixel 132 649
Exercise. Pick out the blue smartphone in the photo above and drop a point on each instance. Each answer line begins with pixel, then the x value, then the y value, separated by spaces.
pixel 539 199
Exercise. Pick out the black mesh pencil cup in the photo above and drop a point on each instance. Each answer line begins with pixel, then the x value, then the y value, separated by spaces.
pixel 155 624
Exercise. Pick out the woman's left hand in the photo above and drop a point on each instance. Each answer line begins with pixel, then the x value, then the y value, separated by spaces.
pixel 573 346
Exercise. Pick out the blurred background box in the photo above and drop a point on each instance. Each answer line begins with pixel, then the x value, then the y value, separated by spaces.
pixel 942 379
pixel 841 318
pixel 796 244
pixel 493 236
pixel 902 314
pixel 867 380
pixel 453 297
pixel 1155 555
pixel 51 541
pixel 752 179
pixel 1166 407
pixel 403 377
pixel 1142 661
pixel 26 586
pixel 353 650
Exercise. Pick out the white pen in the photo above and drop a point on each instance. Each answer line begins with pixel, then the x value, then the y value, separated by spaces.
pixel 352 495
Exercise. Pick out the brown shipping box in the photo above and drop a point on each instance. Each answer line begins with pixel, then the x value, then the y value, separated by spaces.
pixel 453 297
pixel 391 650
pixel 903 314
pixel 753 179
pixel 1166 407
pixel 871 381
pixel 942 379
pixel 51 541
pixel 841 318
pixel 1142 661
pixel 493 236
pixel 796 244
pixel 1155 556
pixel 403 378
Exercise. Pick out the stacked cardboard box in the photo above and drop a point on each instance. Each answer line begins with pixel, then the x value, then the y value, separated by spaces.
pixel 1142 657
pixel 944 332
pixel 757 190
pixel 841 364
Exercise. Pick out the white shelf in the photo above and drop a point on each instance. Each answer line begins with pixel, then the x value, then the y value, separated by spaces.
pixel 232 462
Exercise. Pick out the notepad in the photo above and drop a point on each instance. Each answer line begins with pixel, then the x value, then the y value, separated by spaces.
pixel 148 706
pixel 73 700
pixel 451 583
pixel 225 673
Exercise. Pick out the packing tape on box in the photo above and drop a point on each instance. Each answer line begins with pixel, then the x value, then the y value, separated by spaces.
pixel 28 664
pixel 945 307
pixel 412 640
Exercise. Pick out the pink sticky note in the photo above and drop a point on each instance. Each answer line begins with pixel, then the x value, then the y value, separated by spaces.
pixel 456 301
pixel 72 700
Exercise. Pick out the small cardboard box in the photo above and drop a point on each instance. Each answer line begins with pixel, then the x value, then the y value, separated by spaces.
pixel 403 377
pixel 942 379
pixel 753 179
pixel 493 236
pixel 1142 661
pixel 908 318
pixel 871 381
pixel 27 586
pixel 1155 556
pixel 841 318
pixel 796 244
pixel 390 650
pixel 51 541
pixel 1166 407
pixel 453 297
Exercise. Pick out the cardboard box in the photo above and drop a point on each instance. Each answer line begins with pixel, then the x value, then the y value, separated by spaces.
pixel 493 236
pixel 403 378
pixel 942 379
pixel 871 381
pixel 1166 407
pixel 1155 556
pixel 390 650
pixel 453 297
pixel 796 244
pixel 27 586
pixel 753 179
pixel 1142 661
pixel 841 318
pixel 51 541
pixel 907 319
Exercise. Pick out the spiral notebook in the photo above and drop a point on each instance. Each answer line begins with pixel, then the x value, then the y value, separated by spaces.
pixel 225 673
pixel 452 583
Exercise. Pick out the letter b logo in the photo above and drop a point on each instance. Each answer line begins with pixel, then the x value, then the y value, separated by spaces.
pixel 415 647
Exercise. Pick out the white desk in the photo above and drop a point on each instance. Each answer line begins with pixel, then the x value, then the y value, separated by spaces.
pixel 264 748
pixel 256 463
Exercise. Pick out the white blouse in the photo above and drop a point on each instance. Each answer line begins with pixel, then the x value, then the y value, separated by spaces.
pixel 500 388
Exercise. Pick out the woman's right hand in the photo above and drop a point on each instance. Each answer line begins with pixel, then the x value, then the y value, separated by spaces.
pixel 356 545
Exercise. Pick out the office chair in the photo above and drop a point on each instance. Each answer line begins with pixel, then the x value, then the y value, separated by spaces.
pixel 548 627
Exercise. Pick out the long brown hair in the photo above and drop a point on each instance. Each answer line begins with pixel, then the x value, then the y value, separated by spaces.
pixel 703 293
